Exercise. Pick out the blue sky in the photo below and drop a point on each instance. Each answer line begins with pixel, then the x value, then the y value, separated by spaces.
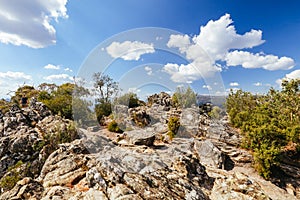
pixel 242 44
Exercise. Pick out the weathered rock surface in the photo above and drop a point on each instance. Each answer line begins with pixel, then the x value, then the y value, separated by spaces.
pixel 27 188
pixel 140 137
pixel 202 162
pixel 162 99
pixel 209 154
pixel 113 172
pixel 28 137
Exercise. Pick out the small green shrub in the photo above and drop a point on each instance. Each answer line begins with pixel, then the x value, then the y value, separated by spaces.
pixel 113 127
pixel 215 113
pixel 60 134
pixel 38 145
pixel 129 99
pixel 265 158
pixel 8 182
pixel 103 110
pixel 15 174
pixel 173 125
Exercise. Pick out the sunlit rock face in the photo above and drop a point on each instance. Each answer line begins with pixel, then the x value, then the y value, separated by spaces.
pixel 202 161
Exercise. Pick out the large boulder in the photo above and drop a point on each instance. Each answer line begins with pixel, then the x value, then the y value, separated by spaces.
pixel 140 137
pixel 189 122
pixel 72 167
pixel 209 154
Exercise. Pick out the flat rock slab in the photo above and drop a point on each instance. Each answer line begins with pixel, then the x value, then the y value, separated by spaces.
pixel 140 137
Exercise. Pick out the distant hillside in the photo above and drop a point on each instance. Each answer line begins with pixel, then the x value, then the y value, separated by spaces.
pixel 215 100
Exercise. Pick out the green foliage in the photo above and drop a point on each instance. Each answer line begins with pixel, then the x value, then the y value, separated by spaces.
pixel 238 105
pixel 17 165
pixel 184 97
pixel 14 175
pixel 59 99
pixel 265 157
pixel 39 145
pixel 173 126
pixel 103 110
pixel 5 105
pixel 105 87
pixel 24 91
pixel 113 127
pixel 269 123
pixel 60 134
pixel 215 113
pixel 9 181
pixel 175 100
pixel 129 99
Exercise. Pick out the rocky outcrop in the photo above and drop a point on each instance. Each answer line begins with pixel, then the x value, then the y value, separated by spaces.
pixel 28 137
pixel 139 116
pixel 113 174
pixel 94 167
pixel 162 99
pixel 203 161
pixel 235 185
pixel 19 136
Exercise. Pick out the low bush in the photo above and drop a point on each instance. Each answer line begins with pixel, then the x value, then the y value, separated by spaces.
pixel 113 127
pixel 173 126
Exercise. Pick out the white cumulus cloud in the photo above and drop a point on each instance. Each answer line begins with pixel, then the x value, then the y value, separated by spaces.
pixel 258 60
pixel 148 70
pixel 180 41
pixel 15 75
pixel 218 37
pixel 129 50
pixel 29 22
pixel 68 69
pixel 50 66
pixel 207 87
pixel 54 77
pixel 257 84
pixel 190 72
pixel 294 74
pixel 234 84
pixel 218 41
pixel 11 81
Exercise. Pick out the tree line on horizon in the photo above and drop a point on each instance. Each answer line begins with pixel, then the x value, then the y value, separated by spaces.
pixel 65 98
